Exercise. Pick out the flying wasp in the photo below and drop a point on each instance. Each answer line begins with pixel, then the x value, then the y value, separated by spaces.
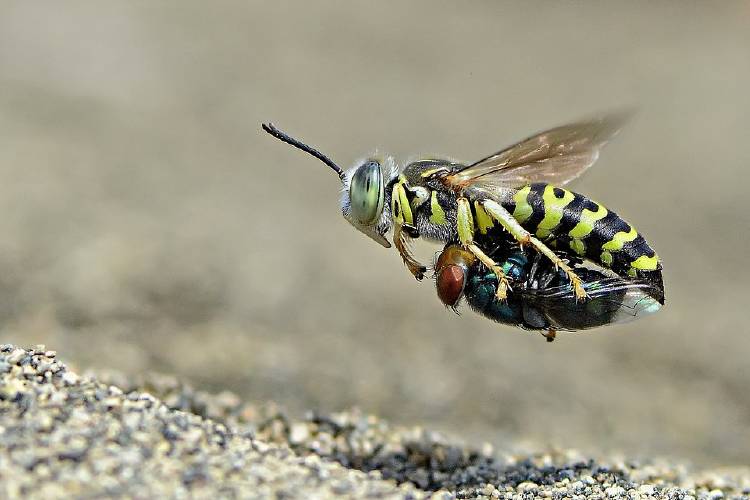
pixel 541 299
pixel 515 194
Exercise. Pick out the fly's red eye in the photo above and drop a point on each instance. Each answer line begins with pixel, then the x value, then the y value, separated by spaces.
pixel 450 284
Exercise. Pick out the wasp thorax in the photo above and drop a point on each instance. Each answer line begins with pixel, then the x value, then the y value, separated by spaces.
pixel 366 193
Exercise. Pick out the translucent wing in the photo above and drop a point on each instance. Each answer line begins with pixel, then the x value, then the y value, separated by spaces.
pixel 555 156
pixel 611 300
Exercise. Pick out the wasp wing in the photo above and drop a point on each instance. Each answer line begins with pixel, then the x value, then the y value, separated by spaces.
pixel 611 300
pixel 556 156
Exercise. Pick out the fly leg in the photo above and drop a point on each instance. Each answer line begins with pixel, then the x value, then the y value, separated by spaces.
pixel 497 212
pixel 466 236
pixel 400 235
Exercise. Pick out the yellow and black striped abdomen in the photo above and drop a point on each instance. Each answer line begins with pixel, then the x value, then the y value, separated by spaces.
pixel 573 223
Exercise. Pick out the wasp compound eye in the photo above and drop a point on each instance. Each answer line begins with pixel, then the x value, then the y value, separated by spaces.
pixel 366 193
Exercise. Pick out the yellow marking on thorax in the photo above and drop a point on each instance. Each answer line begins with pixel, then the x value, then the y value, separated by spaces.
pixel 646 263
pixel 431 171
pixel 396 212
pixel 523 210
pixel 438 214
pixel 606 258
pixel 484 221
pixel 619 240
pixel 400 208
pixel 553 210
pixel 587 220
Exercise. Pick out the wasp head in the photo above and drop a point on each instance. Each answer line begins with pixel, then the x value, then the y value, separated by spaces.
pixel 363 197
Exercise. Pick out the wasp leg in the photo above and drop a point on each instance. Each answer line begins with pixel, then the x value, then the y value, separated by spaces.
pixel 502 281
pixel 400 241
pixel 497 212
pixel 466 236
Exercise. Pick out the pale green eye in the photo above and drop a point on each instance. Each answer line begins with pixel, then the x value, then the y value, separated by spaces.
pixel 366 193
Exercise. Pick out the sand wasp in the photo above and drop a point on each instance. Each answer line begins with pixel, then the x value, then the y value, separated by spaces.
pixel 514 195
pixel 541 299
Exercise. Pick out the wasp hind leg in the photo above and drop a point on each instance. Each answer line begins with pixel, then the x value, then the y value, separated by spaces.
pixel 501 215
pixel 466 235
pixel 400 235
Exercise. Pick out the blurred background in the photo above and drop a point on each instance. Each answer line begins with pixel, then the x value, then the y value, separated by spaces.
pixel 149 224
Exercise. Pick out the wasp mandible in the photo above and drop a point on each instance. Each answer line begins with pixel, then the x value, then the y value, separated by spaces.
pixel 514 194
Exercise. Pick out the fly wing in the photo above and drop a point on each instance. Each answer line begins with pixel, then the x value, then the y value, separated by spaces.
pixel 611 300
pixel 556 156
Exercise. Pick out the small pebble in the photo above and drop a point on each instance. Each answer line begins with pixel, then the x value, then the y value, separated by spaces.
pixel 647 489
pixel 298 433
pixel 16 356
pixel 614 491
pixel 70 378
pixel 527 486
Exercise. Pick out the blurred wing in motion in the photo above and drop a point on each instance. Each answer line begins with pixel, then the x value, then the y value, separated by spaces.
pixel 556 156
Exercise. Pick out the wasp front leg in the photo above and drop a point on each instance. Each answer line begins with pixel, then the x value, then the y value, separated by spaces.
pixel 403 228
pixel 400 241
pixel 501 215
pixel 465 223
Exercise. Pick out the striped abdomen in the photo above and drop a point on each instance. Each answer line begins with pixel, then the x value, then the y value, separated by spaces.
pixel 573 223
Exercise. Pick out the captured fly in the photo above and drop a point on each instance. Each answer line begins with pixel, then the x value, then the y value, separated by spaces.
pixel 542 298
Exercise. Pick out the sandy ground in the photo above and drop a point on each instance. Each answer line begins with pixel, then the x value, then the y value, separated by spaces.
pixel 71 436
pixel 148 223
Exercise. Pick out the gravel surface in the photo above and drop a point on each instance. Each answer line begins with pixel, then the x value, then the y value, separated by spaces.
pixel 103 434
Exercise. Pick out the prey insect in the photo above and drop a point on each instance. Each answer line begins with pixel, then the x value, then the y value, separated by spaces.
pixel 542 299
pixel 513 195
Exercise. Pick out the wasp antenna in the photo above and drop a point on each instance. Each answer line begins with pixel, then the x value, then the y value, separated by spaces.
pixel 269 127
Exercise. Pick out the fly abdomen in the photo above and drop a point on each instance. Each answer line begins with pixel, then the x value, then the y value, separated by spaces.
pixel 573 223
